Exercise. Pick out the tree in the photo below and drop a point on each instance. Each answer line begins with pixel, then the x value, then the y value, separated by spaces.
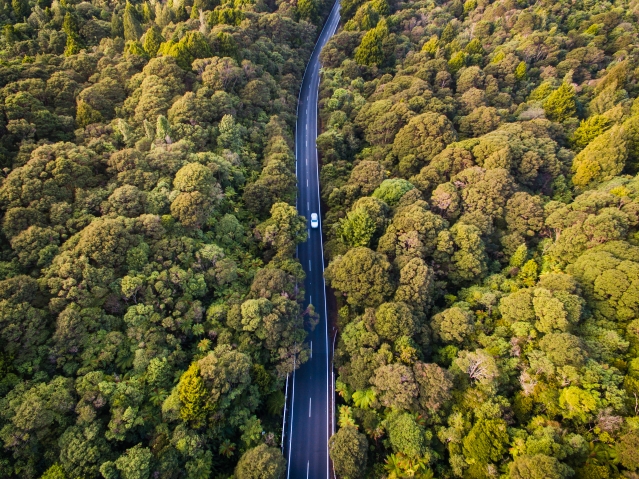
pixel 394 385
pixel 563 349
pixel 589 129
pixel 392 190
pixel 435 385
pixel 602 159
pixel 538 466
pixel 152 40
pixel 128 201
pixel 193 397
pixel 627 447
pixel 486 441
pixel 21 9
pixel 230 134
pixel 283 230
pixel 54 472
pixel 468 261
pixel 71 28
pixel 308 10
pixel 132 27
pixel 415 287
pixel 349 450
pixel 191 209
pixel 393 320
pixel 370 51
pixel 261 462
pixel 560 104
pixel 405 435
pixel 578 404
pixel 478 365
pixel 454 324
pixel 357 228
pixel 86 115
pixel 133 464
pixel 362 275
pixel 421 139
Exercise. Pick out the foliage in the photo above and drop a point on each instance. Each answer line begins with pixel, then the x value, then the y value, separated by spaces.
pixel 146 326
pixel 481 232
pixel 348 450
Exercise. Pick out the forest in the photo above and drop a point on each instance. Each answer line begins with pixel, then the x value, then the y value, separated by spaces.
pixel 149 301
pixel 478 166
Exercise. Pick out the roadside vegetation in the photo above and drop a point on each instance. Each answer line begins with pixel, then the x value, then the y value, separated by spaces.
pixel 478 164
pixel 149 301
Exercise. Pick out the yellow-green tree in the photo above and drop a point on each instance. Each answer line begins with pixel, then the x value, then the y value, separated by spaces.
pixel 370 52
pixel 560 104
pixel 193 395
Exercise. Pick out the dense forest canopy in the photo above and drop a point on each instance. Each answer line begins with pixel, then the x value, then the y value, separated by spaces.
pixel 478 164
pixel 150 301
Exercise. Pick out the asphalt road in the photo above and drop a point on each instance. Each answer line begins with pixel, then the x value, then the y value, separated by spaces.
pixel 310 420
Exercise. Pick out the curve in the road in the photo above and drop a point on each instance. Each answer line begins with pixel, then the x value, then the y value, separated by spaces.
pixel 311 412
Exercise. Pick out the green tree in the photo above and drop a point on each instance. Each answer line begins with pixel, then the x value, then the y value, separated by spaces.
pixel 395 387
pixel 71 28
pixel 86 115
pixel 561 104
pixel 284 230
pixel 132 27
pixel 435 385
pixel 486 441
pixel 349 450
pixel 308 10
pixel 405 435
pixel 193 397
pixel 21 9
pixel 589 129
pixel 54 472
pixel 393 320
pixel 627 450
pixel 521 71
pixel 602 159
pixel 421 139
pixel 152 40
pixel 538 466
pixel 370 51
pixel 578 404
pixel 357 228
pixel 454 324
pixel 230 136
pixel 261 462
pixel 392 190
pixel 362 275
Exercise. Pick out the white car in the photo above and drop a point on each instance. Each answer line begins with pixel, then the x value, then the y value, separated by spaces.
pixel 314 220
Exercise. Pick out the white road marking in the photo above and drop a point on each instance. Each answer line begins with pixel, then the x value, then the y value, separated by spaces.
pixel 308 463
pixel 307 182
pixel 308 205
pixel 310 300
pixel 309 407
pixel 309 265
pixel 311 349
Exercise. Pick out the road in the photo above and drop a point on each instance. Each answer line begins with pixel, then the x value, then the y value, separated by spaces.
pixel 310 420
